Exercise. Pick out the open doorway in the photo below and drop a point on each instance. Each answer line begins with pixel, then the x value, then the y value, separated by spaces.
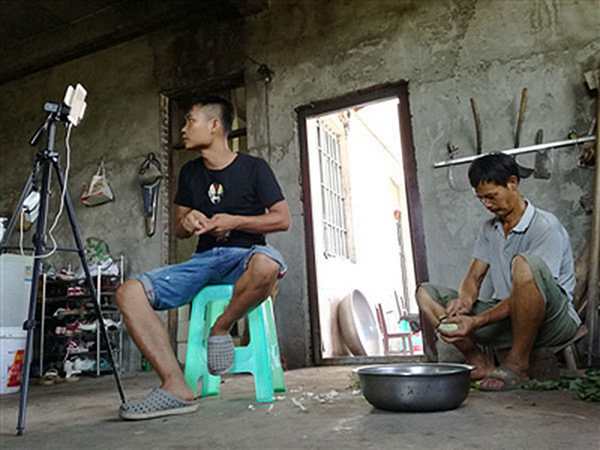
pixel 364 239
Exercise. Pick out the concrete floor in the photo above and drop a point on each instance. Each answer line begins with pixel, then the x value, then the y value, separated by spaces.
pixel 83 415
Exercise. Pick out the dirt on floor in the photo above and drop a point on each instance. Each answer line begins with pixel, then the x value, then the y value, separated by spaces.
pixel 322 409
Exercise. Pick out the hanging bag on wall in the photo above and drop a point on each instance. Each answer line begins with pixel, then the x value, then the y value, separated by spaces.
pixel 99 191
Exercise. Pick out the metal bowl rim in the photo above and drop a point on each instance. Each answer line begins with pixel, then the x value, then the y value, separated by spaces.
pixel 455 368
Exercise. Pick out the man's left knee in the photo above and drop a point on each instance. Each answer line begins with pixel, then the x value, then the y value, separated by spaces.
pixel 264 270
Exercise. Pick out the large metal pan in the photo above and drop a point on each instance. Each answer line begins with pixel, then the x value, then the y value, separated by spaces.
pixel 415 387
pixel 358 326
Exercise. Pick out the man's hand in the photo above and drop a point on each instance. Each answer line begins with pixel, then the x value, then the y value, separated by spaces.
pixel 194 222
pixel 222 224
pixel 466 326
pixel 458 306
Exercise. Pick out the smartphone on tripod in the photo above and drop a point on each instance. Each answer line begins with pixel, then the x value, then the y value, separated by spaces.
pixel 75 100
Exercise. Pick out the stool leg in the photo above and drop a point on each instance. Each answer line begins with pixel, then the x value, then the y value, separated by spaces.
pixel 211 384
pixel 263 378
pixel 277 370
pixel 195 359
pixel 570 355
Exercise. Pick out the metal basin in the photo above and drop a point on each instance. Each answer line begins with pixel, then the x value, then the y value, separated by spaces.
pixel 415 387
pixel 358 326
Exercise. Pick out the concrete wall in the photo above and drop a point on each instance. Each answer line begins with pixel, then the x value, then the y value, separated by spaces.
pixel 121 126
pixel 447 50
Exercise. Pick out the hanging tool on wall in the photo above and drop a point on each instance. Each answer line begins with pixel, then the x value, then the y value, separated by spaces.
pixel 524 172
pixel 542 159
pixel 521 116
pixel 573 140
pixel 519 151
pixel 150 176
pixel 586 160
pixel 478 137
pixel 587 157
pixel 453 150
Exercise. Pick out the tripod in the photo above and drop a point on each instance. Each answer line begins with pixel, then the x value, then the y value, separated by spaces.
pixel 45 161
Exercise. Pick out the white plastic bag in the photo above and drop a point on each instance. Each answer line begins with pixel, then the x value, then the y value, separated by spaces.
pixel 99 191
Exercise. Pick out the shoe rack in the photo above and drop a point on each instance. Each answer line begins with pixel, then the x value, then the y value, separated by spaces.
pixel 69 329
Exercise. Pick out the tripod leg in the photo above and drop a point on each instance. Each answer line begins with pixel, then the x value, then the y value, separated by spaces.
pixel 88 277
pixel 13 219
pixel 29 324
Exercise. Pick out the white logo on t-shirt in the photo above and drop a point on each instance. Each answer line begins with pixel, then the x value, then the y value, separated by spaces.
pixel 215 193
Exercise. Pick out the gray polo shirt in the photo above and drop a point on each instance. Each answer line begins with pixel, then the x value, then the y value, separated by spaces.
pixel 538 233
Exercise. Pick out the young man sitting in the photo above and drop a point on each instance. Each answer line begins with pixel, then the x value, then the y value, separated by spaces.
pixel 229 201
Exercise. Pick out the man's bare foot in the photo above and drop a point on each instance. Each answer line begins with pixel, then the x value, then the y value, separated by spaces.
pixel 519 369
pixel 483 366
pixel 502 378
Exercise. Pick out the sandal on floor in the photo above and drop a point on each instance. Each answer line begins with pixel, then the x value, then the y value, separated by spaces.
pixel 50 377
pixel 158 403
pixel 219 354
pixel 509 378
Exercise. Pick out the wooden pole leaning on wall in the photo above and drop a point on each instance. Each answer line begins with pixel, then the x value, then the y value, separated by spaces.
pixel 592 80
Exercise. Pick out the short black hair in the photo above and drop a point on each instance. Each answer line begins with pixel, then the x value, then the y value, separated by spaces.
pixel 223 107
pixel 493 168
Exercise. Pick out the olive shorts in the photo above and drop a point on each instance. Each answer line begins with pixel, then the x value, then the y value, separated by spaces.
pixel 560 322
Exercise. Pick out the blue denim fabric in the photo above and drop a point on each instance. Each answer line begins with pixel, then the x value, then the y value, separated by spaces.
pixel 175 285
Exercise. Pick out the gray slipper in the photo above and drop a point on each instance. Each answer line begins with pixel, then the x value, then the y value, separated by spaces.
pixel 219 354
pixel 157 403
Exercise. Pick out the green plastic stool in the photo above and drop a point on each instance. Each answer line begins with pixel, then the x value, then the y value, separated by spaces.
pixel 260 357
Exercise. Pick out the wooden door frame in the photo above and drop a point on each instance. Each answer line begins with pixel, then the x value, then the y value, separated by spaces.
pixel 380 92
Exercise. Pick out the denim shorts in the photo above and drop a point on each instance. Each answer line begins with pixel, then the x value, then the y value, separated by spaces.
pixel 175 285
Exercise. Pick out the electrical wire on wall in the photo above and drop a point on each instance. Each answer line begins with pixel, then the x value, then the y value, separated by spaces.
pixel 268 121
pixel 266 75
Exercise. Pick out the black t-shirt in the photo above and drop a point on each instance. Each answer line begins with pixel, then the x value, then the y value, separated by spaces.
pixel 246 187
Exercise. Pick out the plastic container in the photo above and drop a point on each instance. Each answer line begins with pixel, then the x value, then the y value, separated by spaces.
pixel 12 356
pixel 15 288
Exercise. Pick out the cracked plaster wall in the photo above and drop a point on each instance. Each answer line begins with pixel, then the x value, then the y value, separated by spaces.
pixel 447 50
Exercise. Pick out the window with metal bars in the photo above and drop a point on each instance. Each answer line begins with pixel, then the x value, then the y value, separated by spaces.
pixel 335 230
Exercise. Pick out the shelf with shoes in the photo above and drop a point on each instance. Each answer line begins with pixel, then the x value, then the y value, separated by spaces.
pixel 69 337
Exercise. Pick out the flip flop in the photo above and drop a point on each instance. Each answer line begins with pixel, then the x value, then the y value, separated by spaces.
pixel 49 377
pixel 219 354
pixel 509 378
pixel 158 403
